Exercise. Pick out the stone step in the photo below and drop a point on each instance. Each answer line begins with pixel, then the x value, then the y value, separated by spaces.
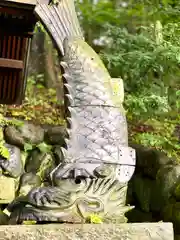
pixel 126 231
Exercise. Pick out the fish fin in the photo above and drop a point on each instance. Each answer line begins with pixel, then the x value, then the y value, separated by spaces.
pixel 60 20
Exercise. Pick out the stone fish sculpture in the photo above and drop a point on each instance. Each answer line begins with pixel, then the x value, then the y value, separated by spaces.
pixel 97 163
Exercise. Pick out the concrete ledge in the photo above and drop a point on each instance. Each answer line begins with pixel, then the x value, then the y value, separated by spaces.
pixel 127 231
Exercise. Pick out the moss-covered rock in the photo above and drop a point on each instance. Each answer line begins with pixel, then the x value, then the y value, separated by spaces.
pixel 4 218
pixel 171 212
pixel 26 133
pixel 137 215
pixel 142 188
pixel 34 160
pixel 167 178
pixel 149 160
pixel 46 167
pixel 166 182
pixel 27 182
pixel 56 135
pixel 177 191
pixel 13 166
pixel 40 163
pixel 58 153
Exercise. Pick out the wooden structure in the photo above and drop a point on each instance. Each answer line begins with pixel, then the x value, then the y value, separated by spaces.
pixel 17 23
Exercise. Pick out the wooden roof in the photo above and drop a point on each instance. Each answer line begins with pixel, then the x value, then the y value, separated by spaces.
pixel 27 4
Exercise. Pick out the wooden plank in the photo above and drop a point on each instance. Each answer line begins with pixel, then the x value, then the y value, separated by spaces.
pixel 11 63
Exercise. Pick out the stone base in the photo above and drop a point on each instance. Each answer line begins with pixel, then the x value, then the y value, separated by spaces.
pixel 126 231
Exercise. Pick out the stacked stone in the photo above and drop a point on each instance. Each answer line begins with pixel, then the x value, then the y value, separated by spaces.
pixel 155 188
pixel 27 169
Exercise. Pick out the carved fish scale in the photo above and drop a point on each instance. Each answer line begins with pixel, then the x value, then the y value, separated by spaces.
pixel 98 142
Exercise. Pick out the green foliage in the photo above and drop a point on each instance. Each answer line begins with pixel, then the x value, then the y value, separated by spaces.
pixel 28 147
pixel 146 105
pixel 142 47
pixel 40 106
pixel 138 59
pixel 7 122
pixel 156 134
pixel 43 147
pixel 4 152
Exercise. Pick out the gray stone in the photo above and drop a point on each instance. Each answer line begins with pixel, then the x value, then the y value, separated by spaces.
pixel 177 237
pixel 26 133
pixel 149 160
pixel 135 231
pixel 171 213
pixel 27 182
pixel 142 189
pixel 166 182
pixel 4 218
pixel 177 191
pixel 56 135
pixel 40 163
pixel 137 215
pixel 13 166
pixel 7 189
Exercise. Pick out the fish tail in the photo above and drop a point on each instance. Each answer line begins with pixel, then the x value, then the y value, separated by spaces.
pixel 60 21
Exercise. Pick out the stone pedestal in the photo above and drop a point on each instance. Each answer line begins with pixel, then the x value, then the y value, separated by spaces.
pixel 127 231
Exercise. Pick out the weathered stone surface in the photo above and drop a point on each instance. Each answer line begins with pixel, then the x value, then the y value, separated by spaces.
pixel 177 191
pixel 41 163
pixel 172 213
pixel 136 231
pixel 137 215
pixel 4 218
pixel 13 166
pixel 56 135
pixel 27 133
pixel 69 201
pixel 177 237
pixel 143 189
pixel 166 182
pixel 149 160
pixel 27 182
pixel 7 189
pixel 58 154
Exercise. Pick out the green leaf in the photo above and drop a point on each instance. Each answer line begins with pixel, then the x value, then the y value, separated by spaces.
pixel 4 152
pixel 28 147
pixel 43 147
pixel 178 93
pixel 39 86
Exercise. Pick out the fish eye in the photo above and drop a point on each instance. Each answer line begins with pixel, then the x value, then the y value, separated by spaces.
pixel 92 58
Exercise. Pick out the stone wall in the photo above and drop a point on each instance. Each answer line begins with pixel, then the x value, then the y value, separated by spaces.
pixel 154 189
pixel 33 152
